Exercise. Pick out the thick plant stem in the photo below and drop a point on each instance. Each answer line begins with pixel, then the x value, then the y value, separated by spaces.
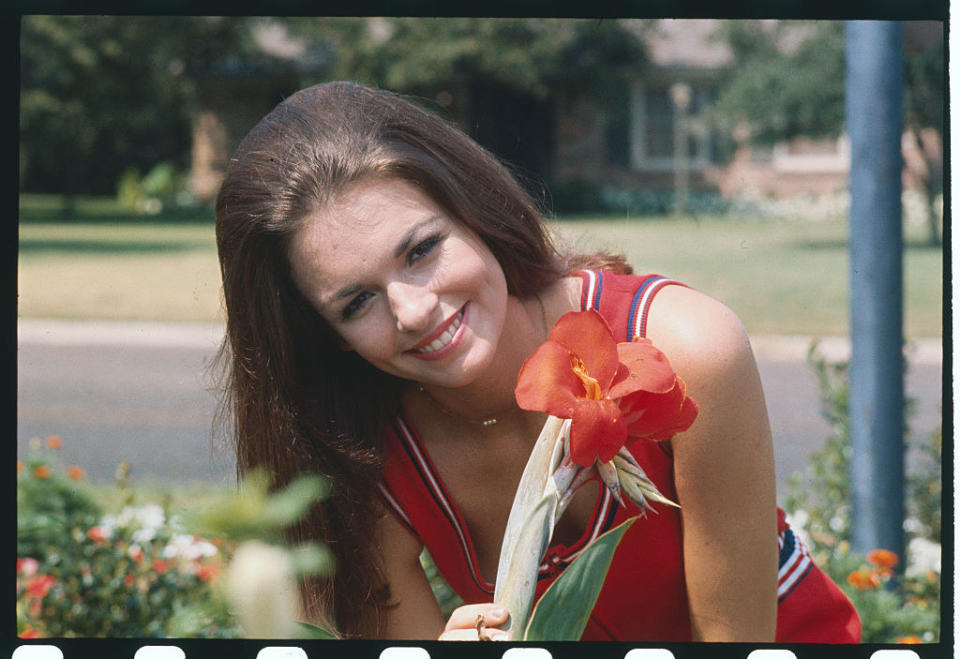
pixel 530 526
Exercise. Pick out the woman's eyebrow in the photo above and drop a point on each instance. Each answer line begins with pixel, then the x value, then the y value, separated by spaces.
pixel 402 247
pixel 405 243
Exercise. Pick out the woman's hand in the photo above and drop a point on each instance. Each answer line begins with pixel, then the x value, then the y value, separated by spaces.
pixel 476 622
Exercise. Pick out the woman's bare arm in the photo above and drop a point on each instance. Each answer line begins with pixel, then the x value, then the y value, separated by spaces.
pixel 415 614
pixel 724 470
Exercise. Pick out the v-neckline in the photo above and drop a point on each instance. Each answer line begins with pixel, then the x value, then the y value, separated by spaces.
pixel 557 554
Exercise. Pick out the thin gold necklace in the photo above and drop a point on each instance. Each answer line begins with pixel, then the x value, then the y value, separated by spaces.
pixel 490 421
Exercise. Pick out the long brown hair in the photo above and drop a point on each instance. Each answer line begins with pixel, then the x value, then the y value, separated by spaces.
pixel 297 403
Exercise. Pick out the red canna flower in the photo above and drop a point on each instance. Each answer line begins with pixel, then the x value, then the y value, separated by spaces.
pixel 40 585
pixel 882 558
pixel 611 392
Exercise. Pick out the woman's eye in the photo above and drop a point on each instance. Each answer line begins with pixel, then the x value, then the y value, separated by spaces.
pixel 423 248
pixel 355 305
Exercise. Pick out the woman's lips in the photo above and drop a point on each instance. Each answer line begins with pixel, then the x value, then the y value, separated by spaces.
pixel 442 340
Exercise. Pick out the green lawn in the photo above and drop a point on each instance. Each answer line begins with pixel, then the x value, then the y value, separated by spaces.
pixel 780 276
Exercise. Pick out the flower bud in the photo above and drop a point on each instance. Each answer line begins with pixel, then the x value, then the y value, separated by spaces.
pixel 262 590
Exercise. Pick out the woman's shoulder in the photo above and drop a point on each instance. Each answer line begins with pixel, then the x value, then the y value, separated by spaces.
pixel 697 332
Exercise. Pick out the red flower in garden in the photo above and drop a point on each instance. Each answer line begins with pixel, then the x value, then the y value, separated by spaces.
pixel 29 632
pixel 39 586
pixel 54 442
pixel 160 567
pixel 208 573
pixel 20 466
pixel 909 639
pixel 882 558
pixel 76 473
pixel 129 580
pixel 866 578
pixel 27 566
pixel 612 392
pixel 97 534
pixel 41 471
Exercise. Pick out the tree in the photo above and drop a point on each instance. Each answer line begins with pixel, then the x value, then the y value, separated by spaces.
pixel 781 92
pixel 497 77
pixel 100 94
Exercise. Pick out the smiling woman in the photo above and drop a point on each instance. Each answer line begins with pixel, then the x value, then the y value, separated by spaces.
pixel 386 280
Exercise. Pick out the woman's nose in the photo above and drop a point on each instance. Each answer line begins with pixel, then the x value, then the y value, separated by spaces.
pixel 412 306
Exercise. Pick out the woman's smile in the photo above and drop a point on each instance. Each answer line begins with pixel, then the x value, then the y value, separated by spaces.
pixel 407 287
pixel 443 340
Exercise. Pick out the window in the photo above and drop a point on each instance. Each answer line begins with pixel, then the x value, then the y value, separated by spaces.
pixel 653 126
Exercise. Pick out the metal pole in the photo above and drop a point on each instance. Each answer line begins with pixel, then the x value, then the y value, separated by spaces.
pixel 681 95
pixel 874 108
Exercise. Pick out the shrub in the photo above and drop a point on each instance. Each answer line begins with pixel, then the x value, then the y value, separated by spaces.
pixel 84 573
pixel 893 607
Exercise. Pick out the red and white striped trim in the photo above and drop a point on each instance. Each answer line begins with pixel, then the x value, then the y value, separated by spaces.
pixel 590 290
pixel 427 470
pixel 643 308
pixel 795 566
pixel 388 497
pixel 597 527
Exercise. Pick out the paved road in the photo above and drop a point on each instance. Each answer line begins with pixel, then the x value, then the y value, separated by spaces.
pixel 141 393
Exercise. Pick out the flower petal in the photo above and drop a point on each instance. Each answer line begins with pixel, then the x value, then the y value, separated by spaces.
pixel 588 336
pixel 597 431
pixel 658 416
pixel 547 383
pixel 647 369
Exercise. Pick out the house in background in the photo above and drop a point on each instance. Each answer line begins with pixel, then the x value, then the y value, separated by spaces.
pixel 636 146
pixel 628 141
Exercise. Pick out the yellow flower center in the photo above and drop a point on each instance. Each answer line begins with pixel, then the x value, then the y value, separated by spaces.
pixel 591 386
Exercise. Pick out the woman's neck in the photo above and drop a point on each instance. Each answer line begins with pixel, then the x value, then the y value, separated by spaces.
pixel 526 326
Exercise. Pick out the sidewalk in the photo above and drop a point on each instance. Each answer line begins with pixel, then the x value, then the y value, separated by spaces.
pixel 766 347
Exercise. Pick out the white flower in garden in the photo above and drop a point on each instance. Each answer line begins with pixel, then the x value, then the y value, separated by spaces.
pixel 797 521
pixel 922 556
pixel 188 547
pixel 262 590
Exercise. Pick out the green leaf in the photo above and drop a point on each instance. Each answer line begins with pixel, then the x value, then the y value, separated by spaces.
pixel 563 611
pixel 312 631
pixel 311 559
pixel 290 504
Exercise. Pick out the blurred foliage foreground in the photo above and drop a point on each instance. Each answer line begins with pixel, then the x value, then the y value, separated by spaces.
pixel 143 569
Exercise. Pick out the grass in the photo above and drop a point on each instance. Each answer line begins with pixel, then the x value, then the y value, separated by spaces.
pixel 780 276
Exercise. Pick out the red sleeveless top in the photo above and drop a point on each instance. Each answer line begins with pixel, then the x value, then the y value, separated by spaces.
pixel 644 596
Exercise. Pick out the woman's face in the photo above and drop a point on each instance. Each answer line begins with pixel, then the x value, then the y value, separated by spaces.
pixel 407 287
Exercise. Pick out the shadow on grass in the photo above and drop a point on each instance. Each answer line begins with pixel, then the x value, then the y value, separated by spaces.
pixel 842 244
pixel 104 210
pixel 33 246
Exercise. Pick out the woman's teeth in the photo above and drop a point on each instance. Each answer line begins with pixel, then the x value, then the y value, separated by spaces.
pixel 444 339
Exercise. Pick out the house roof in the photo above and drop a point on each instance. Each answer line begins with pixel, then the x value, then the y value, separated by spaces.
pixel 685 43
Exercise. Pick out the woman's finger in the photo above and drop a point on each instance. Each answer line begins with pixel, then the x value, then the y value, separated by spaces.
pixel 465 617
pixel 471 635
